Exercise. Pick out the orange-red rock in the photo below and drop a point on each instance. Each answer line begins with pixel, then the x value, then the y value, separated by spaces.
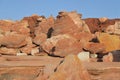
pixel 95 47
pixel 62 45
pixel 69 22
pixel 8 51
pixel 111 42
pixel 12 39
pixel 70 69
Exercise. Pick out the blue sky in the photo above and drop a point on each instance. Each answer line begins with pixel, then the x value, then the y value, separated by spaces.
pixel 17 9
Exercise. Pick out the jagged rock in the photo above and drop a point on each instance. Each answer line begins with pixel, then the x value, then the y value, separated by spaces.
pixel 95 25
pixel 32 23
pixel 111 42
pixel 70 69
pixel 46 24
pixel 114 29
pixel 62 45
pixel 8 51
pixel 69 22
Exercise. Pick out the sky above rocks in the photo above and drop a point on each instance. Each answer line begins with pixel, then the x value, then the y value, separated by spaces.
pixel 17 9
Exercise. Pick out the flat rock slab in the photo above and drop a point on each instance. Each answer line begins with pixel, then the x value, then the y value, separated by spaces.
pixel 32 67
pixel 104 71
pixel 28 67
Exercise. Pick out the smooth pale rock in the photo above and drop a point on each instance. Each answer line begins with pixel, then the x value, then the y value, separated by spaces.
pixel 21 54
pixel 70 69
pixel 84 56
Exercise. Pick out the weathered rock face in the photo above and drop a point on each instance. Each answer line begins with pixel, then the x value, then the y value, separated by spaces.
pixel 70 69
pixel 114 29
pixel 100 25
pixel 12 39
pixel 8 51
pixel 69 23
pixel 62 45
pixel 94 47
pixel 111 42
pixel 32 23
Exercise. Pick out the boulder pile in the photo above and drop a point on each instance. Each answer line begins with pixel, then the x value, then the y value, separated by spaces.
pixel 67 41
pixel 66 34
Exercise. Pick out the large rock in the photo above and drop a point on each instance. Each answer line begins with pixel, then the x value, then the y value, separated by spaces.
pixel 62 45
pixel 8 51
pixel 70 69
pixel 111 42
pixel 69 22
pixel 28 67
pixel 12 39
pixel 46 24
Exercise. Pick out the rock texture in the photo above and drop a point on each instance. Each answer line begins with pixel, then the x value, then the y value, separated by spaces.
pixel 70 69
pixel 60 45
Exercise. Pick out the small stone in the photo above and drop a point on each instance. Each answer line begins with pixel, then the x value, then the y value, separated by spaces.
pixel 21 54
pixel 84 56
pixel 34 51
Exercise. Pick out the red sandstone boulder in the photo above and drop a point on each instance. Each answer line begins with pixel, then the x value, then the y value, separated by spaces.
pixel 12 39
pixel 95 47
pixel 8 51
pixel 62 45
pixel 70 69
pixel 69 22
pixel 46 24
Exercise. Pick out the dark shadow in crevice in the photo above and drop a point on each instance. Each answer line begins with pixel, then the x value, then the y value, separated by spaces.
pixel 49 33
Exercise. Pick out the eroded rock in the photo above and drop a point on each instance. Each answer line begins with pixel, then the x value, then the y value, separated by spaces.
pixel 70 69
